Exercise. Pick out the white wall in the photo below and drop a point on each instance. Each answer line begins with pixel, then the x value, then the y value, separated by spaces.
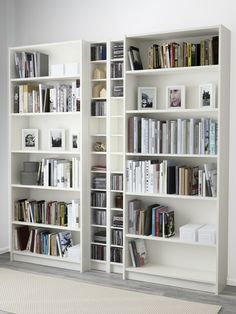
pixel 5 35
pixel 59 20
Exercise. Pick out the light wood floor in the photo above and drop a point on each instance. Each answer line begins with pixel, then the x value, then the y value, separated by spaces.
pixel 227 299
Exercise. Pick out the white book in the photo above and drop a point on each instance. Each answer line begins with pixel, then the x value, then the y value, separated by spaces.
pixel 200 183
pixel 164 139
pixel 191 136
pixel 212 139
pixel 173 137
pixel 179 136
pixel 184 137
pixel 158 137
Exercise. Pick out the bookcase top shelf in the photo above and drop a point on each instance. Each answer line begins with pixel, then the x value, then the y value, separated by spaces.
pixel 45 79
pixel 175 70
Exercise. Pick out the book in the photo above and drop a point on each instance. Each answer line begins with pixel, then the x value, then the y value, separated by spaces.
pixel 135 59
pixel 23 237
pixel 65 241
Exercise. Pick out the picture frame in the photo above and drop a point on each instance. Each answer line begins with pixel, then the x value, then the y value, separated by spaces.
pixel 74 140
pixel 147 98
pixel 207 95
pixel 175 97
pixel 57 139
pixel 30 139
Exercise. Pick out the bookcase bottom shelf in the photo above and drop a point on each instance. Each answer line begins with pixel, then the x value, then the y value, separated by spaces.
pixel 174 276
pixel 52 261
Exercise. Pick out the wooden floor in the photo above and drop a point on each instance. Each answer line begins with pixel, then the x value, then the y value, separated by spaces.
pixel 227 299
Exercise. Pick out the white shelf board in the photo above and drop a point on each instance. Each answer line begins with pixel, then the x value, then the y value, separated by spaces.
pixel 99 153
pixel 97 171
pixel 176 272
pixel 174 239
pixel 98 117
pixel 117 209
pixel 102 190
pixel 117 191
pixel 99 134
pixel 172 155
pixel 46 78
pixel 119 228
pixel 39 225
pixel 117 172
pixel 98 226
pixel 116 264
pixel 99 80
pixel 117 79
pixel 57 258
pixel 184 112
pixel 98 61
pixel 97 261
pixel 51 152
pixel 50 114
pixel 175 70
pixel 117 59
pixel 118 246
pixel 175 196
pixel 98 243
pixel 40 187
pixel 93 207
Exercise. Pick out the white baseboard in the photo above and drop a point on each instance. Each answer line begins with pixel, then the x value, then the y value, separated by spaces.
pixel 231 281
pixel 4 250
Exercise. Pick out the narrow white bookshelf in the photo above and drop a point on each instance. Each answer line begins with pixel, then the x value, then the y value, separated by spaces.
pixel 173 261
pixel 36 114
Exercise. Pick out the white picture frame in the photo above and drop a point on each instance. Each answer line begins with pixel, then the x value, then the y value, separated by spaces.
pixel 207 95
pixel 57 139
pixel 74 140
pixel 30 139
pixel 175 97
pixel 147 98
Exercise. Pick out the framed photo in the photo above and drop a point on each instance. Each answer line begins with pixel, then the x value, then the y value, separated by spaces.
pixel 146 98
pixel 30 139
pixel 57 139
pixel 175 97
pixel 74 140
pixel 207 96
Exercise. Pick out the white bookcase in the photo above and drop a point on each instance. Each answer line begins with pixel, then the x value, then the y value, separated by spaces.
pixel 58 54
pixel 108 98
pixel 170 260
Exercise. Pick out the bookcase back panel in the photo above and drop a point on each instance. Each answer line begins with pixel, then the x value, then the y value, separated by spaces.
pixel 116 107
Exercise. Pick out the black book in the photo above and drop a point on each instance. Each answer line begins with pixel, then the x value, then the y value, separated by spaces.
pixel 135 58
pixel 215 49
pixel 16 99
pixel 169 224
pixel 171 177
pixel 23 236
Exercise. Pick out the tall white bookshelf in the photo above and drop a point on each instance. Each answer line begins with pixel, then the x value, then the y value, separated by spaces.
pixel 108 98
pixel 170 260
pixel 60 54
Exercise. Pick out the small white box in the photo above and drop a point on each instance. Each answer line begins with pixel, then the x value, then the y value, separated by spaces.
pixel 207 234
pixel 189 232
pixel 74 253
pixel 57 69
pixel 72 69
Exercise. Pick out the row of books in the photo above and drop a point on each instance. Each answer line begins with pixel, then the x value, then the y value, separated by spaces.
pixel 117 70
pixel 31 64
pixel 181 136
pixel 117 91
pixel 173 54
pixel 48 212
pixel 61 173
pixel 153 176
pixel 117 220
pixel 138 252
pixel 99 182
pixel 156 220
pixel 98 199
pixel 117 237
pixel 98 52
pixel 43 98
pixel 116 255
pixel 43 241
pixel 98 108
pixel 117 182
pixel 99 217
pixel 98 252
pixel 118 50
pixel 100 236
